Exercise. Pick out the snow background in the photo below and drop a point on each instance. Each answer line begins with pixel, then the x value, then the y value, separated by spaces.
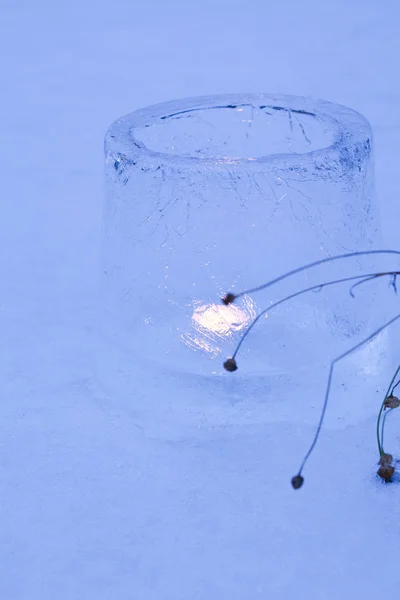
pixel 95 500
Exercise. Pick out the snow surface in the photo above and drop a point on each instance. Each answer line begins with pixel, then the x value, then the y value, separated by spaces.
pixel 109 495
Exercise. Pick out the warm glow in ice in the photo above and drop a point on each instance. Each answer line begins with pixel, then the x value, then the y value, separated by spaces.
pixel 220 319
pixel 212 324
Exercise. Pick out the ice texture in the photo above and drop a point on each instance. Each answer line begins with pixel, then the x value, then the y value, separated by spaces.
pixel 218 194
pixel 118 481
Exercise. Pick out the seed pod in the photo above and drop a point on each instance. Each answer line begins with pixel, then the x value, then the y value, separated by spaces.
pixel 386 472
pixel 228 299
pixel 297 481
pixel 391 402
pixel 385 460
pixel 230 365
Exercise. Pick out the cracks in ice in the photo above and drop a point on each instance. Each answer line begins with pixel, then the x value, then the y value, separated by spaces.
pixel 304 133
pixel 122 166
pixel 320 223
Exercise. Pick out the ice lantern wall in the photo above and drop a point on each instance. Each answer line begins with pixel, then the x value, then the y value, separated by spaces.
pixel 216 194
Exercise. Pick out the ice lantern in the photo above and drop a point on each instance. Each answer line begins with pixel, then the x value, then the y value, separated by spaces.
pixel 215 194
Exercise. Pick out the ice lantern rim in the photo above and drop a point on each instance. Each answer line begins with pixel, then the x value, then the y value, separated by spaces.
pixel 352 139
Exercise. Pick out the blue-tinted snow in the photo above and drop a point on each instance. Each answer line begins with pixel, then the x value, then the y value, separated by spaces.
pixel 105 495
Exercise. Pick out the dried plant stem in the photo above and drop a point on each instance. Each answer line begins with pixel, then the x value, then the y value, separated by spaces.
pixel 386 470
pixel 319 286
pixel 328 388
pixel 395 386
pixel 315 264
pixel 379 432
pixel 386 413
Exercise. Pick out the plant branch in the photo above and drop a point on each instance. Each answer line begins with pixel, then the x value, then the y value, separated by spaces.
pixel 314 264
pixel 318 287
pixel 379 436
pixel 333 363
